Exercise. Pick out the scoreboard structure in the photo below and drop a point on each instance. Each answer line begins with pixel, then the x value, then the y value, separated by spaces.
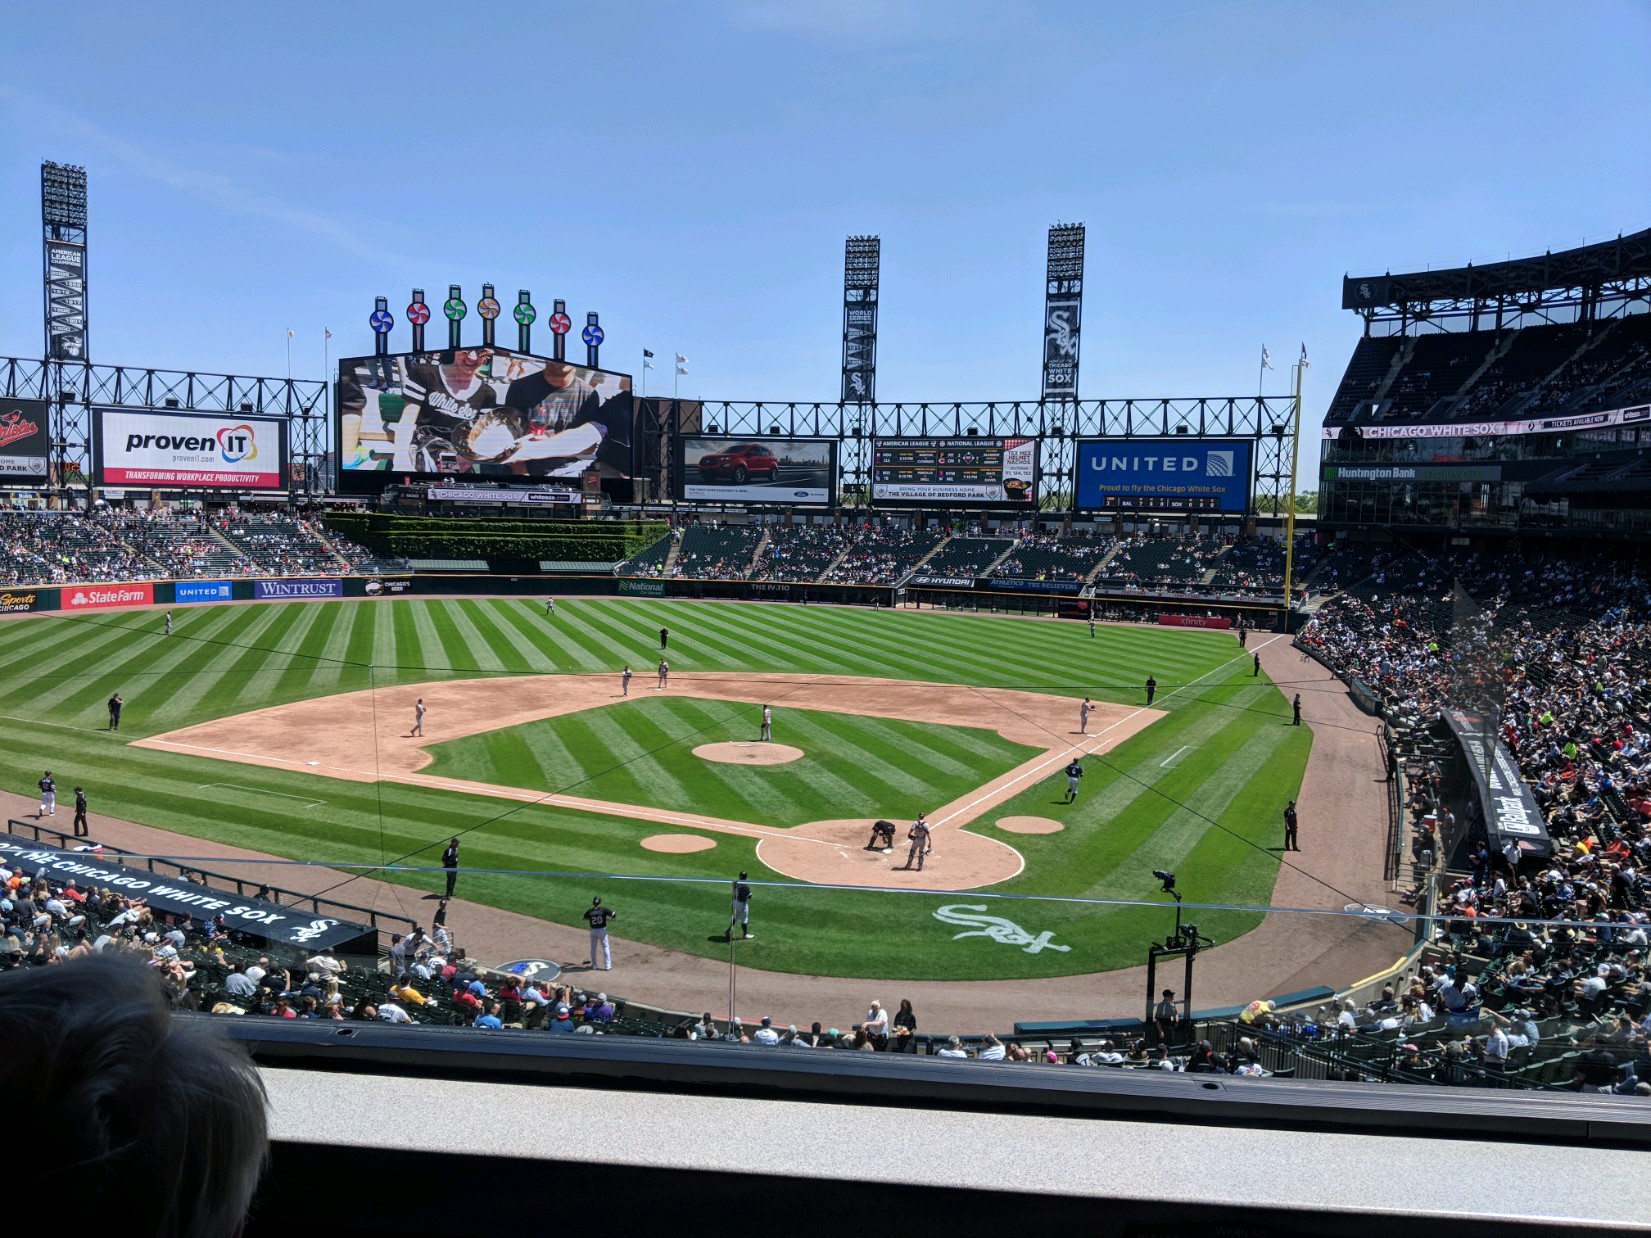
pixel 955 472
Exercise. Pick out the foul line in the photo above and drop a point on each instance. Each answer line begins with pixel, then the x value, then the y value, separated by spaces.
pixel 1164 764
pixel 235 786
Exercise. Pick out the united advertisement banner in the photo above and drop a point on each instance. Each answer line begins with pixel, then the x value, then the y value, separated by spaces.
pixel 1177 474
pixel 143 447
pixel 25 441
pixel 106 597
pixel 186 591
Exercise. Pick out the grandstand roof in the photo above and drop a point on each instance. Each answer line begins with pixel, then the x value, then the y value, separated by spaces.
pixel 1589 266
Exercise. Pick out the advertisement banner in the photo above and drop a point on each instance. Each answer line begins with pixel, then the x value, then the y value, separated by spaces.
pixel 750 470
pixel 1639 414
pixel 66 300
pixel 25 440
pixel 105 597
pixel 964 472
pixel 186 591
pixel 293 926
pixel 642 588
pixel 479 413
pixel 529 498
pixel 1182 474
pixel 1018 584
pixel 1510 810
pixel 1194 621
pixel 388 588
pixel 1060 347
pixel 1413 472
pixel 145 447
pixel 944 582
pixel 286 590
pixel 20 601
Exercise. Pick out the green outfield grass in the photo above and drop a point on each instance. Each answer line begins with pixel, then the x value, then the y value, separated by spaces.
pixel 641 752
pixel 1200 791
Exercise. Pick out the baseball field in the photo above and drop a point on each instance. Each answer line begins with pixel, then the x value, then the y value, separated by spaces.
pixel 284 729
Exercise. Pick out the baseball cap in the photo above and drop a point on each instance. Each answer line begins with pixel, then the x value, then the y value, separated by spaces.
pixel 561 1010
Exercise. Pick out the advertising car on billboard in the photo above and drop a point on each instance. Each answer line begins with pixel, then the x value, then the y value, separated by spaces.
pixel 753 470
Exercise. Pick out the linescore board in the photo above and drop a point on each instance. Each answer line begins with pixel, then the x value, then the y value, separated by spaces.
pixel 964 472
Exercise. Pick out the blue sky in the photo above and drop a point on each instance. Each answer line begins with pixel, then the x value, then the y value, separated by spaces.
pixel 691 169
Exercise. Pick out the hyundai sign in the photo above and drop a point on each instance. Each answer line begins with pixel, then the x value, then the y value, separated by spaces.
pixel 1165 474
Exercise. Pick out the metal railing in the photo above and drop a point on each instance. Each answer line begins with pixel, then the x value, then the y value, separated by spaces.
pixel 274 894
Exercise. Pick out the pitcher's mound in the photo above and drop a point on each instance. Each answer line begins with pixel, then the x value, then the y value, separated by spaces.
pixel 678 844
pixel 1030 825
pixel 749 752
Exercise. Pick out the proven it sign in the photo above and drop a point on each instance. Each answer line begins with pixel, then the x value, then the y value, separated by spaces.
pixel 141 447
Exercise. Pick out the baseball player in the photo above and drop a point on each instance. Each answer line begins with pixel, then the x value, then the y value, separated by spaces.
pixel 1091 621
pixel 597 916
pixel 920 844
pixel 768 718
pixel 169 623
pixel 625 680
pixel 1074 771
pixel 741 912
pixel 114 711
pixel 664 638
pixel 664 673
pixel 1083 717
pixel 550 607
pixel 450 861
pixel 1152 688
pixel 418 718
pixel 48 796
pixel 82 830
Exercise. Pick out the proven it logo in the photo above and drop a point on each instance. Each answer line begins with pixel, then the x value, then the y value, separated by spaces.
pixel 237 443
pixel 14 426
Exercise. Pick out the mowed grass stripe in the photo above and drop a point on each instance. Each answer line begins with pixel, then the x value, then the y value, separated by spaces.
pixel 514 655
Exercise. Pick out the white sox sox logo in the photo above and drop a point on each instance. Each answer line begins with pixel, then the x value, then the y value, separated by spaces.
pixel 995 927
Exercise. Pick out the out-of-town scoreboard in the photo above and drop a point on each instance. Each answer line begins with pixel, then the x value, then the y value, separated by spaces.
pixel 955 471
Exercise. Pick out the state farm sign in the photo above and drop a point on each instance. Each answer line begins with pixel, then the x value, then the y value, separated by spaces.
pixel 102 597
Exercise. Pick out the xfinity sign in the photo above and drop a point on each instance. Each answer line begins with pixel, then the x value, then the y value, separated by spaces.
pixel 1165 474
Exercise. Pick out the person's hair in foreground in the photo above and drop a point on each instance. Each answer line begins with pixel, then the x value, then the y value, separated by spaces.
pixel 163 1117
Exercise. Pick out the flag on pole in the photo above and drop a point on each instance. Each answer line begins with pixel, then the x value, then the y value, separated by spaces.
pixel 681 364
pixel 328 331
pixel 1305 364
pixel 290 333
pixel 1266 358
pixel 647 359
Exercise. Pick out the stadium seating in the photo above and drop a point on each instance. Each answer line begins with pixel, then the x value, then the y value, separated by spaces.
pixel 279 545
pixel 883 555
pixel 1046 557
pixel 1371 360
pixel 800 552
pixel 1161 562
pixel 710 552
pixel 966 556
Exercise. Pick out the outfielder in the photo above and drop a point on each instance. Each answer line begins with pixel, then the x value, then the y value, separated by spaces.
pixel 597 916
pixel 48 796
pixel 550 607
pixel 741 912
pixel 169 623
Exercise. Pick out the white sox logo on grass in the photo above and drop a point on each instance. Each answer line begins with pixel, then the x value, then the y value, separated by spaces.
pixel 995 927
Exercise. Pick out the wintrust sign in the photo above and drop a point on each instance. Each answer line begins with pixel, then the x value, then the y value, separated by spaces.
pixel 105 597
pixel 146 448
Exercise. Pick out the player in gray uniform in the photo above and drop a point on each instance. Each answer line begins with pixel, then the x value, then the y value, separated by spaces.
pixel 1083 717
pixel 741 912
pixel 625 680
pixel 920 842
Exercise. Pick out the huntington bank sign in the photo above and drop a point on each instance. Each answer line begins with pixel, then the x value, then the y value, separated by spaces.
pixel 1165 473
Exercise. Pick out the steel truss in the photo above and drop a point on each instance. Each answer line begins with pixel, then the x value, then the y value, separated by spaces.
pixel 74 388
pixel 1268 420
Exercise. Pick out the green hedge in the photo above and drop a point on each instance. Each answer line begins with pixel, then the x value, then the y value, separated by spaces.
pixel 415 537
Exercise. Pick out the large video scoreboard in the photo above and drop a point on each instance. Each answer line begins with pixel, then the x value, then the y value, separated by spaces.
pixel 962 472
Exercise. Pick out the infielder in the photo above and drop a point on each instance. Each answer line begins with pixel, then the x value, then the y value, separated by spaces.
pixel 664 673
pixel 597 916
pixel 741 912
pixel 625 680
pixel 920 844
pixel 768 718
pixel 1083 717
pixel 48 796
pixel 418 718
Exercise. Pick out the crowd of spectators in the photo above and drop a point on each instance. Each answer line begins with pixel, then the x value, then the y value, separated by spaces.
pixel 716 552
pixel 1145 562
pixel 800 552
pixel 883 554
pixel 111 544
pixel 1046 556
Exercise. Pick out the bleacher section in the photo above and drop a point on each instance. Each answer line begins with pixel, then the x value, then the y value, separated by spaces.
pixel 800 552
pixel 1044 557
pixel 1532 355
pixel 1438 366
pixel 1369 365
pixel 45 548
pixel 717 553
pixel 651 562
pixel 966 556
pixel 1161 562
pixel 884 555
pixel 279 545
